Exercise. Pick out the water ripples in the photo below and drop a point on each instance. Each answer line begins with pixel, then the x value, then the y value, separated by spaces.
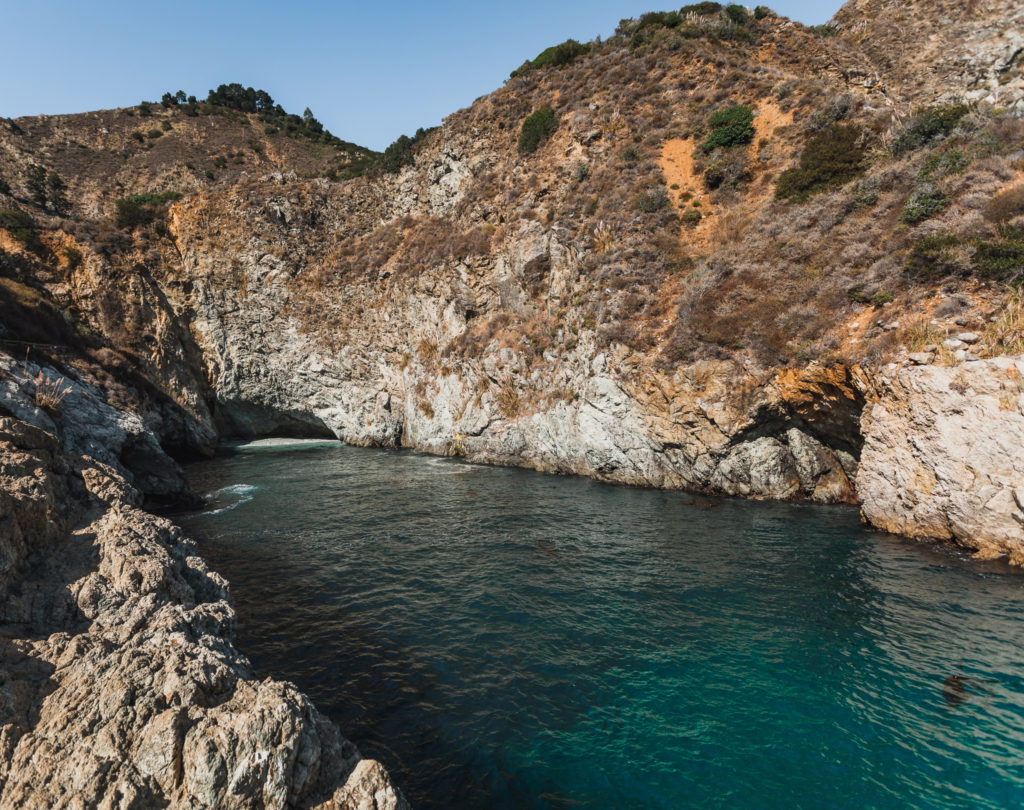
pixel 502 639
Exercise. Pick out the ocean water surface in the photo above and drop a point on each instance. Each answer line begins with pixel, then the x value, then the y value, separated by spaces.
pixel 504 639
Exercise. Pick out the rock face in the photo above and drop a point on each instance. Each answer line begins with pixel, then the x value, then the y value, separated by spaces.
pixel 119 686
pixel 966 51
pixel 943 455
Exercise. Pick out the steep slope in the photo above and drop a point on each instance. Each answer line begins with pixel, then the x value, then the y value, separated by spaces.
pixel 719 251
pixel 633 300
pixel 941 50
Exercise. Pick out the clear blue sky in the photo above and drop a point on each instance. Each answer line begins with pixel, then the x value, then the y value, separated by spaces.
pixel 370 72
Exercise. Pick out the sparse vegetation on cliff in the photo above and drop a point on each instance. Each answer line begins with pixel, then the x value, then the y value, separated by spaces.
pixel 536 129
pixel 831 158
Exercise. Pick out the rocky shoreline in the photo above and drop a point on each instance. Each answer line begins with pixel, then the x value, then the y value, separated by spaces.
pixel 119 684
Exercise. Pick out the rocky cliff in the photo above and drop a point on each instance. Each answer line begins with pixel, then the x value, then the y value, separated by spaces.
pixel 119 686
pixel 742 256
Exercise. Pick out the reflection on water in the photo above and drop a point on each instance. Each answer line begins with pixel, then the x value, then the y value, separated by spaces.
pixel 503 639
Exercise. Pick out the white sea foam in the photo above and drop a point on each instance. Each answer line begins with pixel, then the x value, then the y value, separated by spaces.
pixel 283 443
pixel 240 493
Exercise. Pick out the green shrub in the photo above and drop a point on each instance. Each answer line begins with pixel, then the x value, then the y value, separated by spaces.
pixel 536 129
pixel 399 154
pixel 153 134
pixel 882 297
pixel 733 126
pixel 932 257
pixel 691 217
pixel 737 13
pixel 653 200
pixel 555 56
pixel 138 136
pixel 1001 260
pixel 141 209
pixel 145 109
pixel 21 227
pixel 831 158
pixel 825 30
pixel 760 12
pixel 73 256
pixel 704 9
pixel 630 154
pixel 942 164
pixel 5 187
pixel 924 204
pixel 858 294
pixel 927 124
pixel 35 183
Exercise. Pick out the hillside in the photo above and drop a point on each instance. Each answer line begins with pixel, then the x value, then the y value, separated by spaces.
pixel 643 259
pixel 719 251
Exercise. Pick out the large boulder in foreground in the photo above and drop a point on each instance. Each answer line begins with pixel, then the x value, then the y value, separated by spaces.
pixel 943 455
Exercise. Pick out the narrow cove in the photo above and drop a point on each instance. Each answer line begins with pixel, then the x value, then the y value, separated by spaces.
pixel 500 638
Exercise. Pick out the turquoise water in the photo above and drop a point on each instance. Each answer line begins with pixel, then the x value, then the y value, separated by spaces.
pixel 504 639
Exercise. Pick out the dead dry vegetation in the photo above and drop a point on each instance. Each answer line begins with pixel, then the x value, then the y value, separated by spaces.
pixel 800 235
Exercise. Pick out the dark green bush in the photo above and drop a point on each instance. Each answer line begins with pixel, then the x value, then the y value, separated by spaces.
pixel 691 217
pixel 536 129
pixel 73 256
pixel 145 109
pixel 21 227
pixel 1001 260
pixel 5 187
pixel 927 124
pixel 825 30
pixel 932 257
pixel 138 136
pixel 733 126
pixel 555 56
pixel 153 134
pixel 35 183
pixel 737 13
pixel 704 9
pixel 141 209
pixel 400 152
pixel 760 12
pixel 924 204
pixel 831 158
pixel 942 164
pixel 397 155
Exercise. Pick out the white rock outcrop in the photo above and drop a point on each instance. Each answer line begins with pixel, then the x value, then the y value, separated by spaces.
pixel 943 455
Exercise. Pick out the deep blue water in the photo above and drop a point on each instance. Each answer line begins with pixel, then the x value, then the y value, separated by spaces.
pixel 505 639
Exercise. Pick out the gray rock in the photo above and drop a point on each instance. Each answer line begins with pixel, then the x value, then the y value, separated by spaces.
pixel 944 455
pixel 120 684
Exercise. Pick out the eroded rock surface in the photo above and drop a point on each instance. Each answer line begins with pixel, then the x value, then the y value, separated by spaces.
pixel 944 455
pixel 119 685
